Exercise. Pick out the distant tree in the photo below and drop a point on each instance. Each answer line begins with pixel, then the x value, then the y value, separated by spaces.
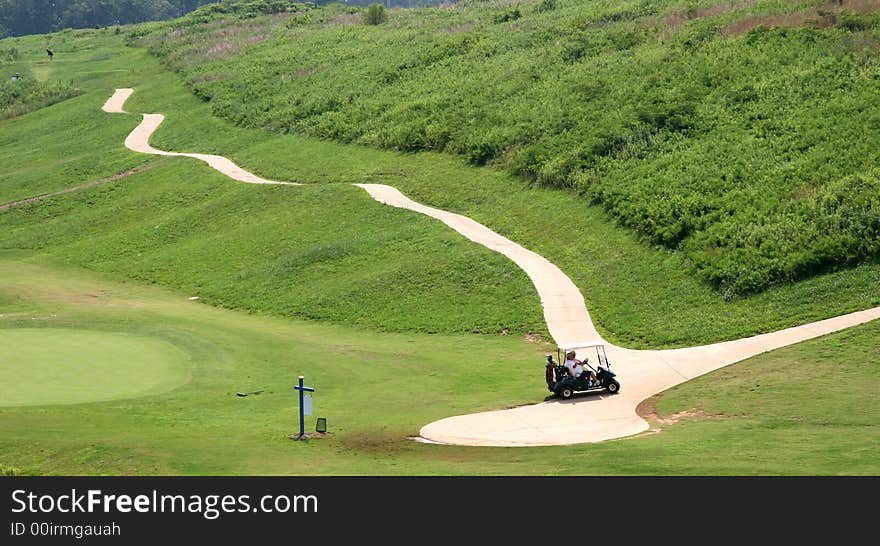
pixel 22 17
pixel 375 14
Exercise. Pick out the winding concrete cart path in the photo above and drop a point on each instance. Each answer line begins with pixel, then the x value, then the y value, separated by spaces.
pixel 589 418
pixel 139 141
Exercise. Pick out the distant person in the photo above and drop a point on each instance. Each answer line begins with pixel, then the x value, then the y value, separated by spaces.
pixel 49 51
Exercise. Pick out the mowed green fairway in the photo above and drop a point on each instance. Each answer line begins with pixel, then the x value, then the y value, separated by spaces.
pixel 374 389
pixel 65 366
pixel 805 409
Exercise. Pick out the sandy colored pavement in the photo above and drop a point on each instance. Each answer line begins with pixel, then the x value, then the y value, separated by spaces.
pixel 116 101
pixel 597 417
pixel 564 309
pixel 585 418
pixel 139 141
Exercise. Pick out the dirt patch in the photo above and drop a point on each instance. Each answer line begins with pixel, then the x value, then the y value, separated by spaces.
pixel 510 3
pixel 205 78
pixel 381 442
pixel 301 73
pixel 820 17
pixel 227 48
pixel 310 435
pixel 459 29
pixel 534 338
pixel 823 17
pixel 676 19
pixel 91 184
pixel 676 417
pixel 790 20
pixel 345 20
pixel 647 410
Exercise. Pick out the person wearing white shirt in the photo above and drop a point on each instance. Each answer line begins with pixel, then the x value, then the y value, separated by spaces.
pixel 573 365
pixel 570 363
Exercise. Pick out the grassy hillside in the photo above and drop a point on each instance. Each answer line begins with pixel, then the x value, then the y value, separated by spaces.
pixel 323 252
pixel 637 295
pixel 55 146
pixel 742 133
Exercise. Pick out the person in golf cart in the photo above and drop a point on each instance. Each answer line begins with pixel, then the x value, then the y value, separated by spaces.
pixel 573 365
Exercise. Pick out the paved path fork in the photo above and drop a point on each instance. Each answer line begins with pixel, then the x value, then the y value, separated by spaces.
pixel 585 419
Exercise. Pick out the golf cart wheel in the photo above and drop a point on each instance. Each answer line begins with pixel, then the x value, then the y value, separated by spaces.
pixel 613 387
pixel 565 393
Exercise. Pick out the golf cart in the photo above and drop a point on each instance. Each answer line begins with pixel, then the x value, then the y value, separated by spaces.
pixel 560 381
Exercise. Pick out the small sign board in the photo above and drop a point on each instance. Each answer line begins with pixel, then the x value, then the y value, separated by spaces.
pixel 307 404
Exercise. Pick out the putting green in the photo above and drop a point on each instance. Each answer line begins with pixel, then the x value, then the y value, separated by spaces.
pixel 43 366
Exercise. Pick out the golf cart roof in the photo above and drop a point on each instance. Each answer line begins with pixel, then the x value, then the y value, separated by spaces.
pixel 581 345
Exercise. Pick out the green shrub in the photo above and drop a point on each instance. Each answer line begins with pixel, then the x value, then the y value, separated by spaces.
pixel 511 15
pixel 547 5
pixel 18 97
pixel 375 14
pixel 9 54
